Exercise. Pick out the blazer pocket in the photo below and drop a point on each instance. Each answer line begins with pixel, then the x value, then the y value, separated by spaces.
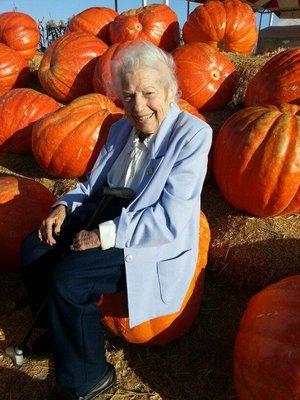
pixel 172 276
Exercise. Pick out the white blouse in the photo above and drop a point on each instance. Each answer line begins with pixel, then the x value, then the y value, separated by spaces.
pixel 127 171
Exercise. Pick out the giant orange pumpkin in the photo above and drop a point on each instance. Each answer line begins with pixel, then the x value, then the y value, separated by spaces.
pixel 94 20
pixel 156 23
pixel 67 68
pixel 19 109
pixel 14 71
pixel 102 79
pixel 277 81
pixel 256 160
pixel 267 348
pixel 20 32
pixel 164 329
pixel 206 77
pixel 24 203
pixel 67 142
pixel 227 25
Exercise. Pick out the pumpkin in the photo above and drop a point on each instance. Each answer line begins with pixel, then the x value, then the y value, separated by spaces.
pixel 185 106
pixel 67 68
pixel 102 79
pixel 94 20
pixel 19 109
pixel 24 203
pixel 67 142
pixel 256 160
pixel 20 32
pixel 267 348
pixel 156 23
pixel 13 69
pixel 160 330
pixel 277 81
pixel 228 25
pixel 206 77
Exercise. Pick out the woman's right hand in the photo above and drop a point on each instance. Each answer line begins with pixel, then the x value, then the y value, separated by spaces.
pixel 52 224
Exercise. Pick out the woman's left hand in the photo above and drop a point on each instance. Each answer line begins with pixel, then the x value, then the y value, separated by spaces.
pixel 86 240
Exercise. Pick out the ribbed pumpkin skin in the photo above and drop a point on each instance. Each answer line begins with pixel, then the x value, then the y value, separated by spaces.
pixel 23 205
pixel 228 26
pixel 67 142
pixel 19 109
pixel 256 160
pixel 67 68
pixel 277 81
pixel 161 330
pixel 20 32
pixel 156 23
pixel 267 348
pixel 102 80
pixel 14 71
pixel 206 77
pixel 185 106
pixel 94 20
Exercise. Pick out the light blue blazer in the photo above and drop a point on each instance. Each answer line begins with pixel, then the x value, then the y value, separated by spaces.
pixel 159 230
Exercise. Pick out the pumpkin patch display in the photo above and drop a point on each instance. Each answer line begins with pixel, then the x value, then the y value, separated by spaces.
pixel 67 142
pixel 156 23
pixel 67 68
pixel 267 348
pixel 206 77
pixel 14 71
pixel 19 109
pixel 94 20
pixel 161 330
pixel 228 25
pixel 256 160
pixel 277 81
pixel 24 203
pixel 20 32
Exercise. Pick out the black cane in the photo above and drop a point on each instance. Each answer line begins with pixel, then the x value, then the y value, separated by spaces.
pixel 16 353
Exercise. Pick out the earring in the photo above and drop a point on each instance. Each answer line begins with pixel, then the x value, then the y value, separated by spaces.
pixel 172 104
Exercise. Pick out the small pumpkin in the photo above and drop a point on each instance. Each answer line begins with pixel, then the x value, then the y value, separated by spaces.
pixel 161 330
pixel 94 20
pixel 206 77
pixel 24 203
pixel 156 23
pixel 67 67
pixel 228 25
pixel 256 160
pixel 67 142
pixel 14 71
pixel 186 106
pixel 267 348
pixel 20 32
pixel 19 109
pixel 277 81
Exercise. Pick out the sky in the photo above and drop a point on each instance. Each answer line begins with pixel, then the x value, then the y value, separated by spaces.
pixel 63 9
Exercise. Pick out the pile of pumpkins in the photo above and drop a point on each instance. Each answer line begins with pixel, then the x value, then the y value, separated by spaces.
pixel 256 153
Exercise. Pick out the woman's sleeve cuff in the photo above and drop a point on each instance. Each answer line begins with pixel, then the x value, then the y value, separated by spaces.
pixel 107 231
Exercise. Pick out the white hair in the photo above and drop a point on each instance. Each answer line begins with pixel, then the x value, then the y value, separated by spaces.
pixel 144 54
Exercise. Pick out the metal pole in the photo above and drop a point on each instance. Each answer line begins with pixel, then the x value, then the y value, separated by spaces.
pixel 188 8
pixel 144 3
pixel 271 19
pixel 116 5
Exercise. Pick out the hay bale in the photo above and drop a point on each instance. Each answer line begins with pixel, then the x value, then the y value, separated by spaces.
pixel 247 66
pixel 249 252
pixel 25 165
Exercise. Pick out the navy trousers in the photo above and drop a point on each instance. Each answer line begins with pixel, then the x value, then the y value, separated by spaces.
pixel 74 282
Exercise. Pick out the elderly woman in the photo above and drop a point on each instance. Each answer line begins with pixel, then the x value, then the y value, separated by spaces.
pixel 150 246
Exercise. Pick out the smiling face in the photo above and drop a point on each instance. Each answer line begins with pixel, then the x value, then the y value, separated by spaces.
pixel 145 99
